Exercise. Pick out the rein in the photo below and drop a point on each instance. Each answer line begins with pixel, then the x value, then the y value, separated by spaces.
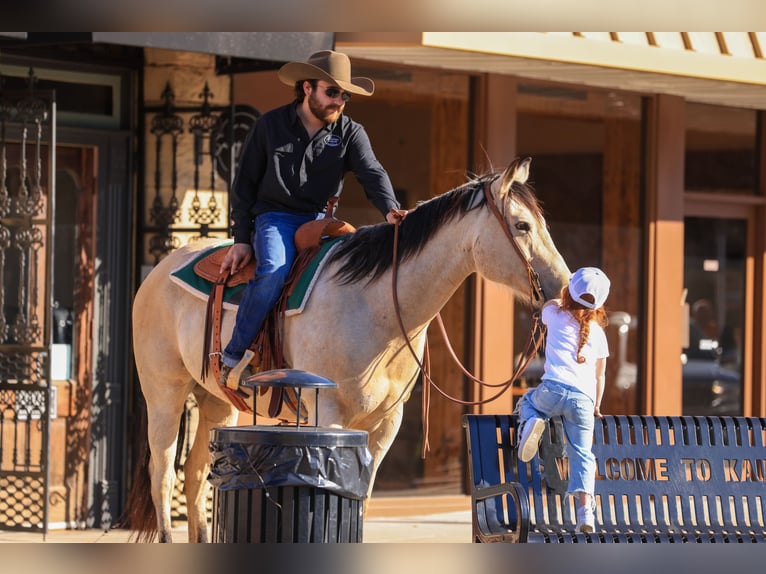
pixel 533 343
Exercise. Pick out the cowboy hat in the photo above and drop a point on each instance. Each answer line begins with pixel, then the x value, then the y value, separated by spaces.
pixel 330 66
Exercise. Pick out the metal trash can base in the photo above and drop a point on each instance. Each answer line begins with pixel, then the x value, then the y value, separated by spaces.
pixel 287 515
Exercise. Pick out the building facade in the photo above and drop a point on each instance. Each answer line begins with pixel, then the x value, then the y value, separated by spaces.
pixel 647 151
pixel 648 156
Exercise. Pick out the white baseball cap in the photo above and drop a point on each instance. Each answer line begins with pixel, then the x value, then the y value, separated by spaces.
pixel 589 281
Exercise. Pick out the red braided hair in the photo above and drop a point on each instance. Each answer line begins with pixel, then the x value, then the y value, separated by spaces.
pixel 583 316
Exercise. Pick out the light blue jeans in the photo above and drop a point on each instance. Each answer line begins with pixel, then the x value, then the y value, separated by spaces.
pixel 274 249
pixel 551 398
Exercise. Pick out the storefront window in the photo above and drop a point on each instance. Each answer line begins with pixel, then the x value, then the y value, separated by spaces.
pixel 720 149
pixel 715 250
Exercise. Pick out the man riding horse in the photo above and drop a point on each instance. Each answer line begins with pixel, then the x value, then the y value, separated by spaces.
pixel 293 163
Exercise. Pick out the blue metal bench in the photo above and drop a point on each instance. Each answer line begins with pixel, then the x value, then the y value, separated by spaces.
pixel 659 479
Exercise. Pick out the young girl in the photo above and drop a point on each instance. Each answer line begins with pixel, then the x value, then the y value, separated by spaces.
pixel 573 382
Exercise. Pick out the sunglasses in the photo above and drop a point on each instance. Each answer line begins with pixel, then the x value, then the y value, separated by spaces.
pixel 333 92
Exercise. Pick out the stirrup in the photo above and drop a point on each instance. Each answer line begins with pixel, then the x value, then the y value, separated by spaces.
pixel 232 380
pixel 223 374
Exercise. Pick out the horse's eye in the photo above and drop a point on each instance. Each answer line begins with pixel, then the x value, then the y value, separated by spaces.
pixel 523 226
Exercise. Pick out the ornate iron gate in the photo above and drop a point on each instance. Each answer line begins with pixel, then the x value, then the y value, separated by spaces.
pixel 27 164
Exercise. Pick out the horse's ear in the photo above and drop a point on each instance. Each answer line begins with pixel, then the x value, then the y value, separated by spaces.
pixel 476 198
pixel 518 171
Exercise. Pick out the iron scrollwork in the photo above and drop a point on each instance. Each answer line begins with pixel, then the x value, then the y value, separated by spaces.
pixel 211 131
pixel 201 126
pixel 27 145
pixel 167 123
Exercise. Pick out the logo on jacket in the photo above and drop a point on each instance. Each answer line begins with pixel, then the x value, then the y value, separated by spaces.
pixel 332 140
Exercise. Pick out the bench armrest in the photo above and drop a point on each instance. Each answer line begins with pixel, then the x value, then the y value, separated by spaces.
pixel 521 531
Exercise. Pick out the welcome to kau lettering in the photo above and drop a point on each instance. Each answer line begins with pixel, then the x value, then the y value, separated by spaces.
pixel 659 469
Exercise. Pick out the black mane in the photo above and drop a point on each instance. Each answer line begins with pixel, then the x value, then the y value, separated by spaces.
pixel 368 253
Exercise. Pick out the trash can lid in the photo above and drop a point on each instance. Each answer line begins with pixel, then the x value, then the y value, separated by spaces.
pixel 289 378
pixel 289 436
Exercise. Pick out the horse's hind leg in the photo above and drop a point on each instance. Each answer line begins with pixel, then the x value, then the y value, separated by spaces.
pixel 163 424
pixel 213 412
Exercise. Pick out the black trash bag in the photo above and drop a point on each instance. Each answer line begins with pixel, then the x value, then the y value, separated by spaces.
pixel 344 470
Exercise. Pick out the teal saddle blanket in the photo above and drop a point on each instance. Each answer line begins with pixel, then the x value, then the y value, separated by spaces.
pixel 185 277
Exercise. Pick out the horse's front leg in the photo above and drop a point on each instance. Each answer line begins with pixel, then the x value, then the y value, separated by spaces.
pixel 381 437
pixel 213 412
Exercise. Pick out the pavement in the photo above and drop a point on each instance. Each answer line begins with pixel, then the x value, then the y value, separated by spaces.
pixel 405 520
pixel 402 535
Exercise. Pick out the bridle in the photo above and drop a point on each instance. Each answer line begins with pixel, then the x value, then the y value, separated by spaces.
pixel 534 342
pixel 532 276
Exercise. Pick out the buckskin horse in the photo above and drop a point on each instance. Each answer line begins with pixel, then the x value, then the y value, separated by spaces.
pixel 348 331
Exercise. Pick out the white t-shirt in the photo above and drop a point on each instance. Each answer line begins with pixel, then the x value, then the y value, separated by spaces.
pixel 561 351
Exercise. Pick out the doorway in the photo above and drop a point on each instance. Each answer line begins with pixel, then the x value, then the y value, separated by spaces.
pixel 73 272
pixel 718 254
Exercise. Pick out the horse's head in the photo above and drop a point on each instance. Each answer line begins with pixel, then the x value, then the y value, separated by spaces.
pixel 487 249
pixel 503 255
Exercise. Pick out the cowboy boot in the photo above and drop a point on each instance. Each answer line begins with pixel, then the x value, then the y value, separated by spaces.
pixel 232 377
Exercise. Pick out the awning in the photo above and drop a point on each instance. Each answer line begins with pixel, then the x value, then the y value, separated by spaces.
pixel 264 46
pixel 277 46
pixel 711 67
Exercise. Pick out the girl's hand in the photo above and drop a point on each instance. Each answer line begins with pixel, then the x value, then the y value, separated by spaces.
pixel 597 412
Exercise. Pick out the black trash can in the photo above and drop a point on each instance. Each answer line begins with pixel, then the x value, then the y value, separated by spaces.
pixel 288 484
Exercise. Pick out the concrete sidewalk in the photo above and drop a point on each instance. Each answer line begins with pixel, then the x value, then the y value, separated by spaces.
pixel 416 519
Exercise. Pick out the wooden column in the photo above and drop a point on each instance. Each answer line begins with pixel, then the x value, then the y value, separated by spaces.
pixel 621 240
pixel 758 399
pixel 449 157
pixel 494 146
pixel 665 255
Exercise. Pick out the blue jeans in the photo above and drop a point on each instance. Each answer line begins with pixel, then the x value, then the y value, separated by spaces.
pixel 274 249
pixel 550 399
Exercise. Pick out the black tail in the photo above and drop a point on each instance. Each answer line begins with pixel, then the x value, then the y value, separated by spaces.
pixel 140 515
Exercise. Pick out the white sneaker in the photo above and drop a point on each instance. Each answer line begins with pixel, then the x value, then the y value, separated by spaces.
pixel 586 521
pixel 530 438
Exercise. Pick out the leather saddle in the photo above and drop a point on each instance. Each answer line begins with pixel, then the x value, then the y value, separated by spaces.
pixel 308 235
pixel 308 239
pixel 312 234
pixel 209 268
